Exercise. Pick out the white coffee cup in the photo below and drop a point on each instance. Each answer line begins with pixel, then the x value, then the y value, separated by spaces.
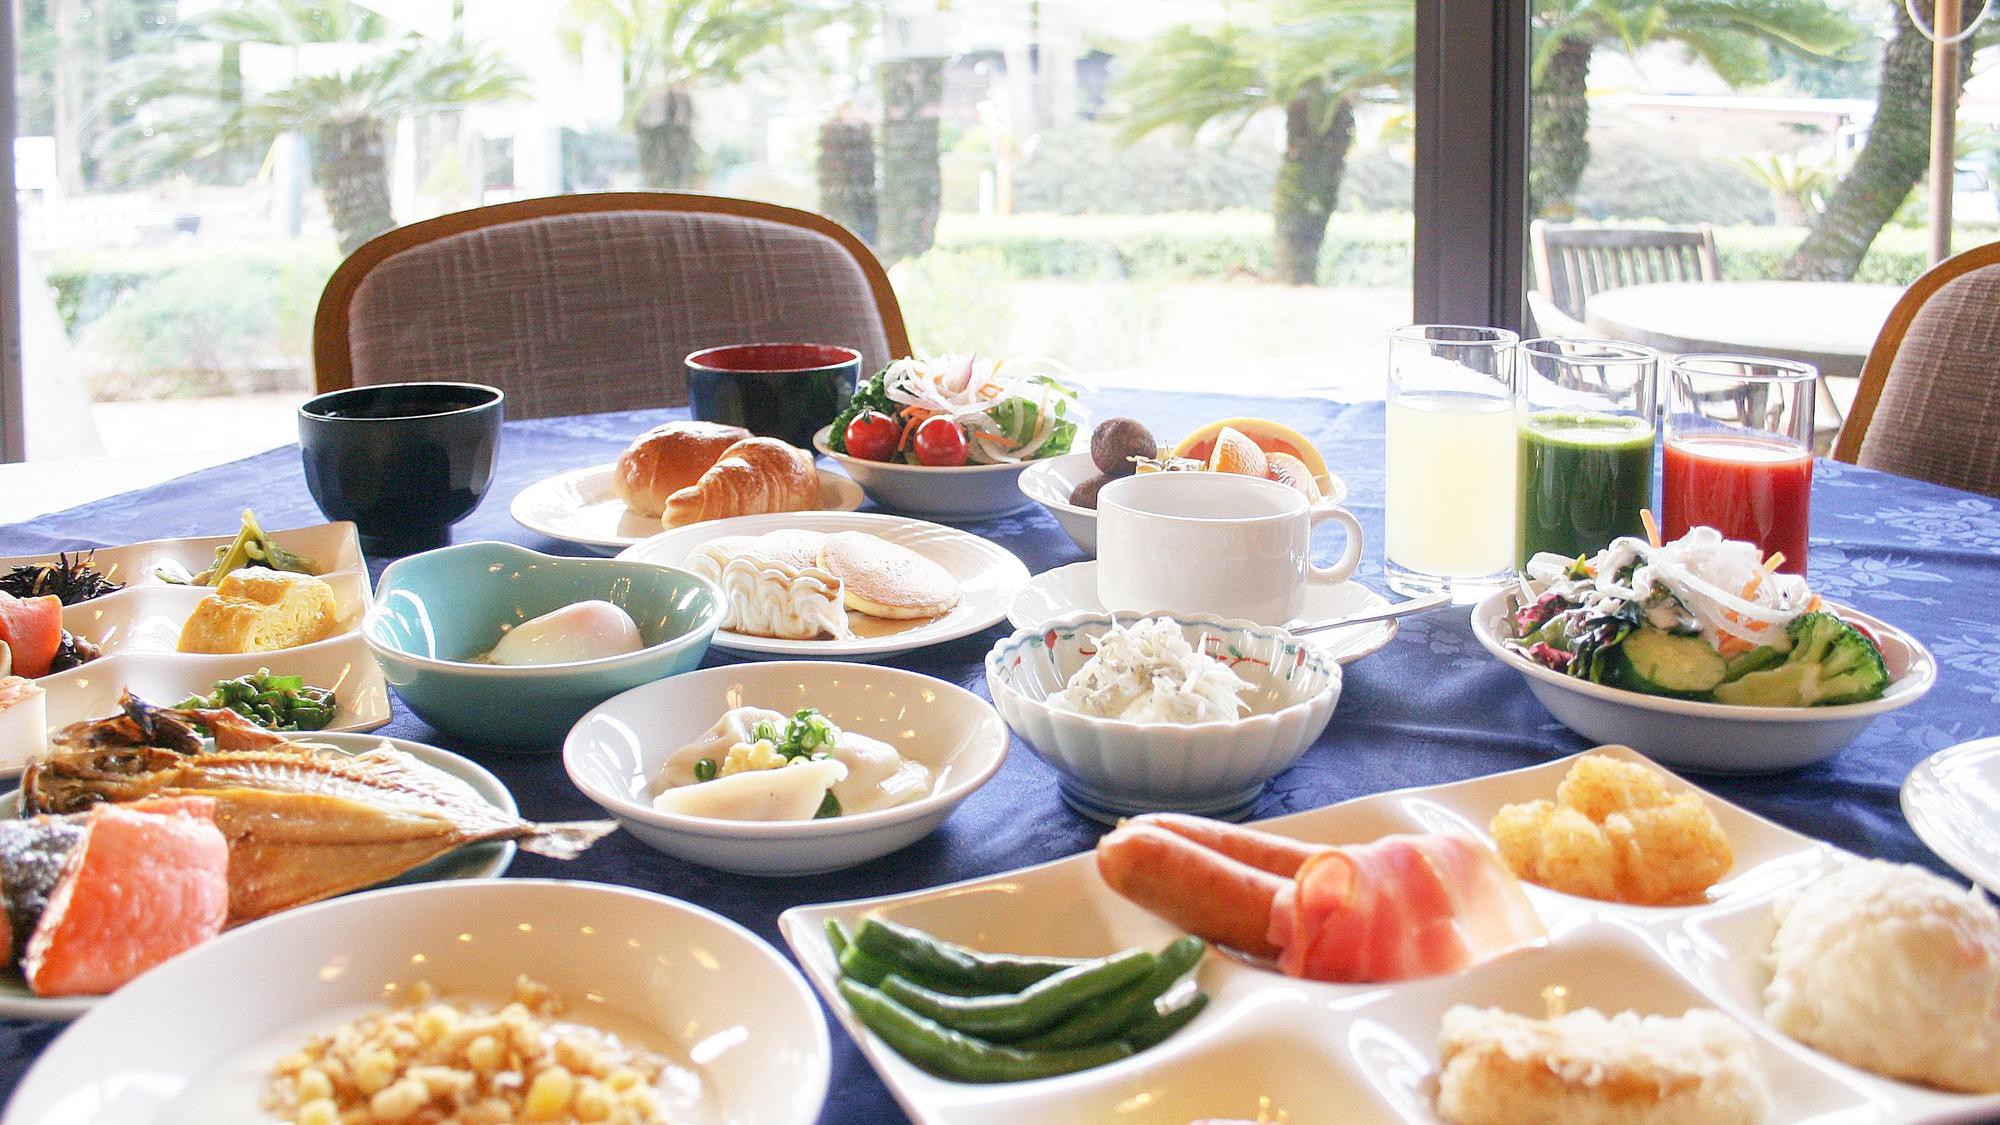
pixel 1222 543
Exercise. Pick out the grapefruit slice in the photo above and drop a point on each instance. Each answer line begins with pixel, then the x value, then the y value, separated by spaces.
pixel 1269 436
pixel 1233 452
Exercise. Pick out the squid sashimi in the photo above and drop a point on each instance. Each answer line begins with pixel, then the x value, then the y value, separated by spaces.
pixel 145 881
pixel 1396 908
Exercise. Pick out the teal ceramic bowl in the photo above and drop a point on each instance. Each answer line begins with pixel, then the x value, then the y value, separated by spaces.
pixel 436 611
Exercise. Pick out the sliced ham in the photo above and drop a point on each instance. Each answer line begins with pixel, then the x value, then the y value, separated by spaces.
pixel 1397 908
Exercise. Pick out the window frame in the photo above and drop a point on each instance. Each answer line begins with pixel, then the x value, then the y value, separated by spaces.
pixel 13 408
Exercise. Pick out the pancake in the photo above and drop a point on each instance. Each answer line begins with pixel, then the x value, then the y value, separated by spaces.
pixel 793 546
pixel 882 579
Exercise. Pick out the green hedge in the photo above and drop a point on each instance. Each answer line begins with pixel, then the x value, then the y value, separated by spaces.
pixel 87 284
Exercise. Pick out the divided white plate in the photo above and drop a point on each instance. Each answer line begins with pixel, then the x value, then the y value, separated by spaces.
pixel 475 861
pixel 1073 589
pixel 988 578
pixel 581 507
pixel 1050 482
pixel 193 1041
pixel 334 546
pixel 1368 1053
pixel 1952 800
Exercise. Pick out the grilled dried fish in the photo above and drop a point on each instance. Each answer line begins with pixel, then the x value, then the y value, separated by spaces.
pixel 32 855
pixel 304 821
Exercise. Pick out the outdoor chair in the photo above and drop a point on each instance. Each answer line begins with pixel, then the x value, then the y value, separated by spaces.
pixel 1574 263
pixel 1929 404
pixel 579 304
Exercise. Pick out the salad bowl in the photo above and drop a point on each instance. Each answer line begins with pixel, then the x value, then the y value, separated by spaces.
pixel 935 492
pixel 1712 737
pixel 1110 768
pixel 617 750
pixel 436 612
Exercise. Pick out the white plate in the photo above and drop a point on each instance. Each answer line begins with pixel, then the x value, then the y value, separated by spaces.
pixel 335 547
pixel 474 861
pixel 1952 800
pixel 1073 589
pixel 1050 483
pixel 617 750
pixel 988 577
pixel 192 1042
pixel 581 507
pixel 1361 1054
pixel 1712 737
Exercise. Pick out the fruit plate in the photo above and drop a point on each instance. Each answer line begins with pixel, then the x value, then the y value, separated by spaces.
pixel 474 861
pixel 988 578
pixel 581 507
pixel 1271 1045
pixel 1050 483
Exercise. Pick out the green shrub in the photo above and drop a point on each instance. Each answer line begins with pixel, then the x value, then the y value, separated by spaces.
pixel 1083 169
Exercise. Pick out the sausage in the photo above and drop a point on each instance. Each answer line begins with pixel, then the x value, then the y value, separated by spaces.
pixel 1266 851
pixel 1196 888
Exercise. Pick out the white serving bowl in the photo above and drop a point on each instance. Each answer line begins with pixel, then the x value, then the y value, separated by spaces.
pixel 1050 482
pixel 615 751
pixel 934 492
pixel 194 1039
pixel 1111 768
pixel 1711 737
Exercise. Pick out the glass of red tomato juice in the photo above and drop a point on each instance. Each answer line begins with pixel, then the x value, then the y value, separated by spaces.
pixel 1738 451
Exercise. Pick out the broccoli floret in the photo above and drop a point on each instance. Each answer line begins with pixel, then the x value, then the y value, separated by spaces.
pixel 1830 662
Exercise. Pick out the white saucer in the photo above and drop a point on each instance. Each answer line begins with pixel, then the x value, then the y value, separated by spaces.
pixel 988 577
pixel 581 507
pixel 1952 800
pixel 1073 589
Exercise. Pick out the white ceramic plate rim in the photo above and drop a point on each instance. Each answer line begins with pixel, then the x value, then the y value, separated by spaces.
pixel 1930 827
pixel 1917 680
pixel 960 788
pixel 1043 484
pixel 717 609
pixel 845 459
pixel 1014 575
pixel 459 766
pixel 818 1079
pixel 998 681
pixel 840 487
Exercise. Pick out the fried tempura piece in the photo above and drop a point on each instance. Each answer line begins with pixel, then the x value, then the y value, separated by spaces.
pixel 1616 831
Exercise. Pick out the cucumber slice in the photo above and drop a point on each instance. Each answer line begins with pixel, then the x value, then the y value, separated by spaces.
pixel 1661 663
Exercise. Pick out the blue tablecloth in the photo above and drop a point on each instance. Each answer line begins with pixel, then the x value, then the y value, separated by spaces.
pixel 1432 707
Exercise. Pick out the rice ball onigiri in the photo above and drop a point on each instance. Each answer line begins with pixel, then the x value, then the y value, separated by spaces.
pixel 1889 968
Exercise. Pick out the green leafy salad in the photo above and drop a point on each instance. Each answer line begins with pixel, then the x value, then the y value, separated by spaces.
pixel 1008 410
pixel 1701 618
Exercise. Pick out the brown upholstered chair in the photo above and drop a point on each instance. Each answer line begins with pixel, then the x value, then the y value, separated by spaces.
pixel 1574 263
pixel 576 304
pixel 1929 404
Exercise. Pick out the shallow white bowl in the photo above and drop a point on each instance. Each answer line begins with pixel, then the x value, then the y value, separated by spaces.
pixel 1111 768
pixel 616 750
pixel 1712 737
pixel 967 492
pixel 1050 482
pixel 193 1040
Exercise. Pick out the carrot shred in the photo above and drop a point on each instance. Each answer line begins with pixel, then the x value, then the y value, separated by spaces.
pixel 1729 644
pixel 1812 606
pixel 1652 526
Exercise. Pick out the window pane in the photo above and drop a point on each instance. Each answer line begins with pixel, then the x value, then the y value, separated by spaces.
pixel 1205 194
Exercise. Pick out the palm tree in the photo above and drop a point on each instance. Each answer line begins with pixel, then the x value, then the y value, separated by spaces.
pixel 667 49
pixel 1313 60
pixel 1733 37
pixel 194 112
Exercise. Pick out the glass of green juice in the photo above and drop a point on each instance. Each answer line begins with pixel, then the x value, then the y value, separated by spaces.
pixel 1585 425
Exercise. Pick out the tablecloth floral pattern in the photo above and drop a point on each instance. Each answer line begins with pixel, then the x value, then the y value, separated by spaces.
pixel 1432 707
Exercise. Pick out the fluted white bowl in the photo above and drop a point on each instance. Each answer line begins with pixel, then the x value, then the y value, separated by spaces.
pixel 1111 767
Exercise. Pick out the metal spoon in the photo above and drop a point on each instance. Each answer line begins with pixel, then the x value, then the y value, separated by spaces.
pixel 1389 612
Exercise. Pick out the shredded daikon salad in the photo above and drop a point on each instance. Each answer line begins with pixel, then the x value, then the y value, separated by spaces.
pixel 1147 672
pixel 1727 587
pixel 1012 410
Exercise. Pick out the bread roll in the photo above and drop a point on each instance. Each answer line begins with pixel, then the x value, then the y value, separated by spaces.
pixel 668 458
pixel 754 476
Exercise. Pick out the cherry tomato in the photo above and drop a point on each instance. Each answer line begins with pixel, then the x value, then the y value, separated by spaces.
pixel 940 441
pixel 872 436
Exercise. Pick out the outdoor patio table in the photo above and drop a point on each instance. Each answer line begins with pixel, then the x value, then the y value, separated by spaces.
pixel 1830 325
pixel 1431 707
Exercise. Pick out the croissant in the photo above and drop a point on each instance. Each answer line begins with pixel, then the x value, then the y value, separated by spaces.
pixel 754 476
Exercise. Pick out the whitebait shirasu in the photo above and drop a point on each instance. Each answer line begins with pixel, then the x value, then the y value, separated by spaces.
pixel 1724 584
pixel 969 389
pixel 1148 672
